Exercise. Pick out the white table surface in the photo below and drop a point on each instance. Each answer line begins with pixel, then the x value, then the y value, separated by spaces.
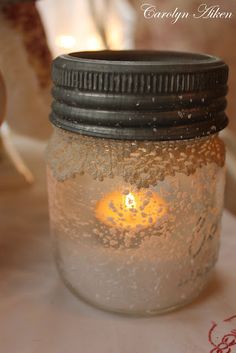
pixel 39 315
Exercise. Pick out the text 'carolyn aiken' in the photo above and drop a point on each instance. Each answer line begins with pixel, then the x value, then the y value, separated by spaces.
pixel 204 12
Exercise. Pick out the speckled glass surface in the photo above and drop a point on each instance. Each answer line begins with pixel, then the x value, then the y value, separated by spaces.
pixel 158 253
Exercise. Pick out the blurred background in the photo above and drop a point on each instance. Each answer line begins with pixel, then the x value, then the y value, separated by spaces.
pixel 32 33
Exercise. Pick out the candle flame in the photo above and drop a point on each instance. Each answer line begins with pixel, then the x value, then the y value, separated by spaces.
pixel 131 211
pixel 130 201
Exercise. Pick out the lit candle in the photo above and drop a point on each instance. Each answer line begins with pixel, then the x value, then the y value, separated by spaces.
pixel 130 210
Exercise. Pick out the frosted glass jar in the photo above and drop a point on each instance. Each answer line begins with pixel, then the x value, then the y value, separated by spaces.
pixel 135 222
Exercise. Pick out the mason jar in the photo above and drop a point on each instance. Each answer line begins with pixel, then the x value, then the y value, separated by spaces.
pixel 136 176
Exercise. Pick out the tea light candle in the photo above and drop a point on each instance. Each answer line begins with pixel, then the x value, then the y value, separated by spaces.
pixel 130 210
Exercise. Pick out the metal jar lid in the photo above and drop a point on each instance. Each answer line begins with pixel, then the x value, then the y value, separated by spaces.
pixel 139 95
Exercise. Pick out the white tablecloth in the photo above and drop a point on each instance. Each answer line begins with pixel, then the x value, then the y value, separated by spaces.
pixel 39 315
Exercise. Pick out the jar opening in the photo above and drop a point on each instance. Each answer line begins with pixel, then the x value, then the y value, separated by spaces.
pixel 144 56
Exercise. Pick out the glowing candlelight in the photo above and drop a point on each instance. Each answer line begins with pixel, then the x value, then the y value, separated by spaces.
pixel 129 210
pixel 65 41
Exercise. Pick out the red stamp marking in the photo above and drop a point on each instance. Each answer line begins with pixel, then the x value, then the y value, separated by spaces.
pixel 223 336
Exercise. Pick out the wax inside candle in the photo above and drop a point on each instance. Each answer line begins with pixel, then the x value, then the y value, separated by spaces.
pixel 130 210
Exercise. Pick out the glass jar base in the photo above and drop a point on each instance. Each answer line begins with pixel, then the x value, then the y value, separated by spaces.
pixel 143 313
